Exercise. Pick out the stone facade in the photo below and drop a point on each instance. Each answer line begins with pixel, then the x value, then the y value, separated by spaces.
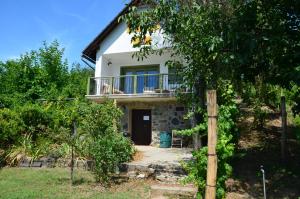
pixel 165 117
pixel 125 120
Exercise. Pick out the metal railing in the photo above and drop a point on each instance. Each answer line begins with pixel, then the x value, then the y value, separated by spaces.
pixel 134 84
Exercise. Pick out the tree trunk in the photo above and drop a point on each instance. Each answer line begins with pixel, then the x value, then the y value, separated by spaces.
pixel 199 89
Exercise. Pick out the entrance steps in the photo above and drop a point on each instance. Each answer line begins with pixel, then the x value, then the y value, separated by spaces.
pixel 166 191
pixel 164 172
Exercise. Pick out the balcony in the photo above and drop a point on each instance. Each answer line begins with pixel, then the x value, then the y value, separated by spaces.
pixel 155 86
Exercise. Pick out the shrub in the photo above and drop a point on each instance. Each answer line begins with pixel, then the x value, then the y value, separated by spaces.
pixel 108 152
pixel 297 127
pixel 27 148
pixel 260 116
pixel 11 126
pixel 225 149
pixel 36 120
pixel 294 96
pixel 108 148
pixel 227 137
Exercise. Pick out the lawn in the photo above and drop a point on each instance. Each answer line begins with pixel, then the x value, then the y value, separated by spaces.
pixel 55 183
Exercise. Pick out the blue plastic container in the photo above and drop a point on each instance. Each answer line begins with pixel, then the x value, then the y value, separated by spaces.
pixel 165 139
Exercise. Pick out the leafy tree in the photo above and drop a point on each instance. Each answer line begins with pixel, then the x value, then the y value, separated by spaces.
pixel 223 40
pixel 108 147
pixel 41 73
pixel 213 41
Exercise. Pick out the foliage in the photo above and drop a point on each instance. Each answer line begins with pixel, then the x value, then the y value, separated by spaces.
pixel 235 40
pixel 10 127
pixel 225 150
pixel 102 118
pixel 294 96
pixel 227 137
pixel 108 151
pixel 30 126
pixel 255 42
pixel 108 147
pixel 297 127
pixel 40 74
pixel 26 148
pixel 38 118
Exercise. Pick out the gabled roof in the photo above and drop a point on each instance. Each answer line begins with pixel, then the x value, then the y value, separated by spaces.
pixel 91 50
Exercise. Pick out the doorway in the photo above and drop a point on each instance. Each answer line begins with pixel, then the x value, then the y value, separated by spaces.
pixel 141 126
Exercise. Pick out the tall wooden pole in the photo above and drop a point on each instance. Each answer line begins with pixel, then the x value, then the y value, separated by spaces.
pixel 284 129
pixel 211 178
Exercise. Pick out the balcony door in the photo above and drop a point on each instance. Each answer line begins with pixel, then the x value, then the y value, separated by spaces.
pixel 146 79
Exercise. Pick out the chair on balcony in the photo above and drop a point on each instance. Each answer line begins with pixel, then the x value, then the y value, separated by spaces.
pixel 176 140
pixel 148 90
pixel 105 88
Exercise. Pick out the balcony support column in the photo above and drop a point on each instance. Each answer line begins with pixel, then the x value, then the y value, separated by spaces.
pixel 135 84
pixel 98 86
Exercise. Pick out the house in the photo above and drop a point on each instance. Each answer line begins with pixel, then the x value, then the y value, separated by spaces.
pixel 144 90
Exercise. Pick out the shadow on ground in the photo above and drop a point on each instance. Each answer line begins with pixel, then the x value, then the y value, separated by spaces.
pixel 258 147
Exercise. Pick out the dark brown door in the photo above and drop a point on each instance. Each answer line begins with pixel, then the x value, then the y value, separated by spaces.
pixel 141 127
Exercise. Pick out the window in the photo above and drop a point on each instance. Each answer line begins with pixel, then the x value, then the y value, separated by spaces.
pixel 147 78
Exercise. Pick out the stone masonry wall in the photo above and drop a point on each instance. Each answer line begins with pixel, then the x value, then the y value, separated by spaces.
pixel 124 119
pixel 165 117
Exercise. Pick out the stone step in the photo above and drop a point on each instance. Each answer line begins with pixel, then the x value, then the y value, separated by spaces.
pixel 168 173
pixel 169 178
pixel 170 168
pixel 172 191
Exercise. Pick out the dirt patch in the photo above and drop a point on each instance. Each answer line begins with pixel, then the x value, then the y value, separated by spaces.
pixel 258 147
pixel 141 187
pixel 138 155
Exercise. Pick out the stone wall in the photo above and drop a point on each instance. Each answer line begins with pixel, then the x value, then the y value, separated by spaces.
pixel 124 120
pixel 165 117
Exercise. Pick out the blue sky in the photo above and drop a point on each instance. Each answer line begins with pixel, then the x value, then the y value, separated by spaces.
pixel 25 24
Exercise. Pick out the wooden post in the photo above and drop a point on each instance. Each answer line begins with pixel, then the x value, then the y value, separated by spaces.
pixel 211 178
pixel 284 128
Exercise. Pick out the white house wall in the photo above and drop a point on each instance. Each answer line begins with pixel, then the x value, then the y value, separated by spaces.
pixel 116 51
pixel 125 59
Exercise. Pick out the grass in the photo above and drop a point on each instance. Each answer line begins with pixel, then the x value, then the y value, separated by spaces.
pixel 55 183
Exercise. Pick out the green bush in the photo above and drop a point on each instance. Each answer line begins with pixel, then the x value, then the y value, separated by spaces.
pixel 108 148
pixel 225 150
pixel 108 152
pixel 227 137
pixel 260 116
pixel 11 126
pixel 294 96
pixel 36 120
pixel 297 127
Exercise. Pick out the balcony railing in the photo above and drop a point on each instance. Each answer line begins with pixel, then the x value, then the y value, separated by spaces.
pixel 134 84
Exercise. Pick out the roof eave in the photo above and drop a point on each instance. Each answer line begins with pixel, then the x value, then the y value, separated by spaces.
pixel 91 50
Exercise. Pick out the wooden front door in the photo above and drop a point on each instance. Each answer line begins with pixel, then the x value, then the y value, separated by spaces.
pixel 141 127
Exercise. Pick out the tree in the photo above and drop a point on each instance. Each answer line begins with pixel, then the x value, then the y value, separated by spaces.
pixel 41 73
pixel 213 41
